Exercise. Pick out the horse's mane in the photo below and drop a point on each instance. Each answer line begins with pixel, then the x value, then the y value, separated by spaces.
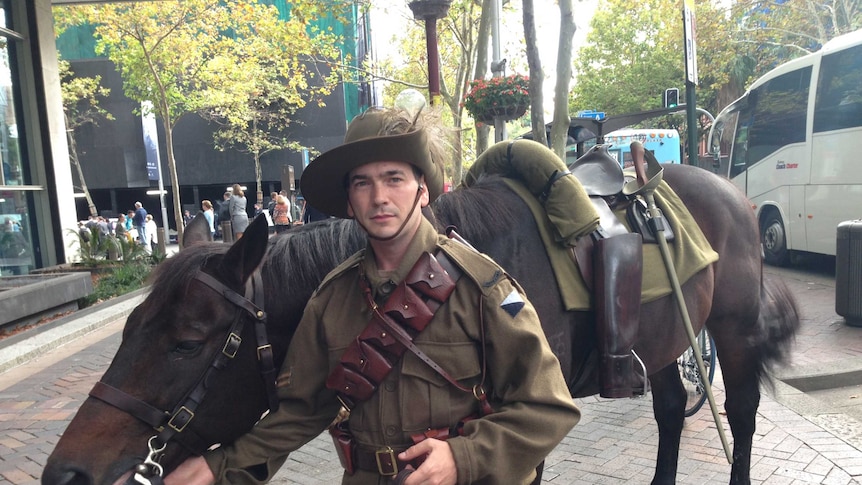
pixel 482 211
pixel 172 277
pixel 302 256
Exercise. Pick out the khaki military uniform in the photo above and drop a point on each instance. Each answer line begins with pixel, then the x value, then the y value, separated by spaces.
pixel 534 410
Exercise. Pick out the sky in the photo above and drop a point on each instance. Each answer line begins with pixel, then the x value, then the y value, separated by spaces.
pixel 389 20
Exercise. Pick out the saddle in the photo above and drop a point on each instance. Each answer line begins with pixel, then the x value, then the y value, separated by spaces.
pixel 567 217
pixel 603 179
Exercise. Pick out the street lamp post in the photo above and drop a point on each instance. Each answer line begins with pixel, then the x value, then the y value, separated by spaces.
pixel 430 11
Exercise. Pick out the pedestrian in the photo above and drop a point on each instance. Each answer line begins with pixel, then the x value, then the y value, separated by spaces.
pixel 120 230
pixel 281 214
pixel 187 217
pixel 238 214
pixel 150 234
pixel 140 222
pixel 270 206
pixel 511 406
pixel 223 211
pixel 207 207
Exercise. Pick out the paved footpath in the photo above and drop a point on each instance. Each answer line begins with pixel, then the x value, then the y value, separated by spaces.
pixel 799 439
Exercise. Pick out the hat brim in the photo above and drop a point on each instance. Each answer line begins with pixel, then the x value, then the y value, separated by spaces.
pixel 324 181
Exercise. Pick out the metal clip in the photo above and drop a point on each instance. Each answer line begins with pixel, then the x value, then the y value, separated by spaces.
pixel 151 467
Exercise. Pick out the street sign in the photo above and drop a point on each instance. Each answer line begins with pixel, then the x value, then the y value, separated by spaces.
pixel 596 115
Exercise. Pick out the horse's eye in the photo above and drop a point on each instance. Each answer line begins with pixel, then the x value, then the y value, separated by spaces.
pixel 187 347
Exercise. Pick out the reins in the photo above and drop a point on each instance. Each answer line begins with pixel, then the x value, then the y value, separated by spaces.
pixel 173 425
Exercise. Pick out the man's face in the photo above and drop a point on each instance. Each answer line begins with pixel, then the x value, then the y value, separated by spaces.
pixel 381 196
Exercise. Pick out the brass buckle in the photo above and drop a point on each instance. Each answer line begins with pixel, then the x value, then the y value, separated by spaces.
pixel 231 345
pixel 263 348
pixel 183 412
pixel 393 463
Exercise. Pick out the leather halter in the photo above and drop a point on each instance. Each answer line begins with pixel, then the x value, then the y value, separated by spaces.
pixel 174 424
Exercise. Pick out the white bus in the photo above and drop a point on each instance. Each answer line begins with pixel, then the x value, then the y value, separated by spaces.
pixel 794 142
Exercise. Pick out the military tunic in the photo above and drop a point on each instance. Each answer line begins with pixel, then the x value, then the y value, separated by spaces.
pixel 533 408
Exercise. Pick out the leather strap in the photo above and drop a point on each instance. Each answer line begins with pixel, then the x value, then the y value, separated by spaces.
pixel 382 461
pixel 173 424
pixel 434 289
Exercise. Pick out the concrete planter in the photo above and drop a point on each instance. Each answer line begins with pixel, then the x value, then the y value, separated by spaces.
pixel 26 299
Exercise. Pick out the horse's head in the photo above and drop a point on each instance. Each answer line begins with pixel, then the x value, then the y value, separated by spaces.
pixel 173 376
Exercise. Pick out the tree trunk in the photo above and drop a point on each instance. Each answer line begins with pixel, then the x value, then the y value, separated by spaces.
pixel 73 156
pixel 483 131
pixel 537 77
pixel 560 128
pixel 175 182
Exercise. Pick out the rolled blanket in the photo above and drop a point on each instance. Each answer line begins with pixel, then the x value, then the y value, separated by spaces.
pixel 566 203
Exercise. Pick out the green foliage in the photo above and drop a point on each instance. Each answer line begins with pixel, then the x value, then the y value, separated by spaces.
pixel 121 264
pixel 185 56
pixel 123 279
pixel 95 250
pixel 633 52
pixel 770 33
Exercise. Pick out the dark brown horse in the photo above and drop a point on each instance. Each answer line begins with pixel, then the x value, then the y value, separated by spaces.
pixel 170 341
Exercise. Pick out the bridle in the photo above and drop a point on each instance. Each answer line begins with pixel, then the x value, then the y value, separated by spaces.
pixel 173 425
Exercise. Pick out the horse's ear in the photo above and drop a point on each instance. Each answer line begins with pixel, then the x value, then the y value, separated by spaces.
pixel 196 231
pixel 246 254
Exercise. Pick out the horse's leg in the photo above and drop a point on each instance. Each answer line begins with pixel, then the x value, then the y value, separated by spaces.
pixel 742 397
pixel 669 408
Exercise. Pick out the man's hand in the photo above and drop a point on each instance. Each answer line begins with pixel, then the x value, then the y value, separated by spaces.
pixel 193 471
pixel 438 467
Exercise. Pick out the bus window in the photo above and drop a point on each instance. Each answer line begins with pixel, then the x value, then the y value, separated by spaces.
pixel 778 110
pixel 839 91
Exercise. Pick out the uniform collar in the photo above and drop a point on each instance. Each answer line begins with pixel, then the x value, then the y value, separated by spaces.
pixel 425 240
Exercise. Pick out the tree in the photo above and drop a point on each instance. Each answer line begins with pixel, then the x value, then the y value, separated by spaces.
pixel 771 32
pixel 463 39
pixel 169 51
pixel 457 44
pixel 81 107
pixel 560 127
pixel 271 72
pixel 633 53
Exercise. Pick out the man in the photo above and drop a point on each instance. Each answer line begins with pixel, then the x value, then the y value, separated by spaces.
pixel 222 211
pixel 140 222
pixel 271 205
pixel 485 334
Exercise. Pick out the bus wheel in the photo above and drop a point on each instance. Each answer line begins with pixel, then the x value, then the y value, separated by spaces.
pixel 774 241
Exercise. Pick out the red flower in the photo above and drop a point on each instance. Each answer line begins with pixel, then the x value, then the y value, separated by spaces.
pixel 499 92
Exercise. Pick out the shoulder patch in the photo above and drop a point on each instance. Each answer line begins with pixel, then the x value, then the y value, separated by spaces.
pixel 513 303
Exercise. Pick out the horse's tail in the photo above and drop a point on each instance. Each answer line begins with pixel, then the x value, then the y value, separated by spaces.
pixel 777 325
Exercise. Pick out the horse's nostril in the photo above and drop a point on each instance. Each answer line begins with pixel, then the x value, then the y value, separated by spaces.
pixel 66 477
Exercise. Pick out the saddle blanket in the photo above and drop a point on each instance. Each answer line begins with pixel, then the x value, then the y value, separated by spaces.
pixel 690 250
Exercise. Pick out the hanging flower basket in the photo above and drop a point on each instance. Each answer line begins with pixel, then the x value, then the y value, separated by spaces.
pixel 506 98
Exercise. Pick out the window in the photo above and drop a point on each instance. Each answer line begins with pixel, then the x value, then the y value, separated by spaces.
pixel 839 91
pixel 16 230
pixel 773 117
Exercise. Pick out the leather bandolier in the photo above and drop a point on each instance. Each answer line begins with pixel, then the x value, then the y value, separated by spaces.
pixel 378 349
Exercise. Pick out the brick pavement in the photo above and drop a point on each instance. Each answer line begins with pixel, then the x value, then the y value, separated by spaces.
pixel 615 442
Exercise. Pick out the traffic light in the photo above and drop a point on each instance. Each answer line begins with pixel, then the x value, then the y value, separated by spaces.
pixel 671 98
